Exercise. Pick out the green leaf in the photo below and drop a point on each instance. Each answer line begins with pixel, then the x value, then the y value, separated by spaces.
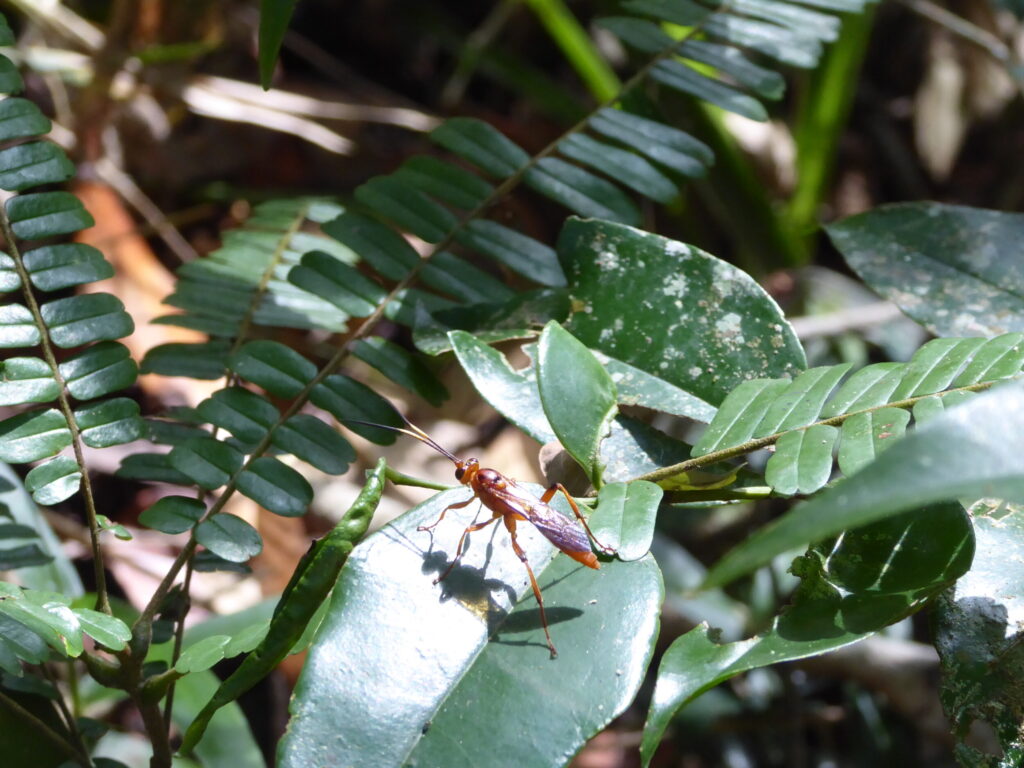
pixel 949 267
pixel 99 370
pixel 480 144
pixel 276 487
pixel 155 467
pixel 381 247
pixel 865 435
pixel 207 360
pixel 108 631
pixel 173 514
pixel 634 448
pixel 995 359
pixel 207 462
pixel 449 183
pixel 20 119
pixel 32 164
pixel 229 537
pixel 802 462
pixel 10 78
pixel 625 167
pixel 406 207
pixel 17 327
pixel 345 398
pixel 872 577
pixel 977 636
pixel 402 368
pixel 444 659
pixel 624 519
pixel 636 387
pixel 722 327
pixel 523 255
pixel 53 482
pixel 241 412
pixel 764 82
pixel 278 369
pixel 23 556
pixel 801 402
pixel 89 317
pixel 26 380
pixel 47 214
pixel 670 147
pixel 308 438
pixel 774 41
pixel 578 396
pixel 460 279
pixel 111 422
pixel 512 393
pixel 580 191
pixel 934 366
pixel 203 654
pixel 9 279
pixel 681 12
pixel 274 18
pixel 982 439
pixel 868 387
pixel 739 416
pixel 681 77
pixel 65 265
pixel 33 435
pixel 336 282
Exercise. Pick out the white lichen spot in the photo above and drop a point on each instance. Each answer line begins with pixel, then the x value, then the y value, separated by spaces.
pixel 675 285
pixel 675 248
pixel 607 260
pixel 728 327
pixel 694 372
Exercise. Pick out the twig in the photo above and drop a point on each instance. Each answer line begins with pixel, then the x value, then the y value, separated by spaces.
pixel 843 320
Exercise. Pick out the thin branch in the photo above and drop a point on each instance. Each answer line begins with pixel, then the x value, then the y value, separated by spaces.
pixel 102 601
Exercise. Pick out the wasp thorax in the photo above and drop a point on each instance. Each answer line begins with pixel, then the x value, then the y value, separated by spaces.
pixel 488 476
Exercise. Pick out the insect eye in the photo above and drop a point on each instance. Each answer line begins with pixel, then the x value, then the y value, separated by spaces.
pixel 459 472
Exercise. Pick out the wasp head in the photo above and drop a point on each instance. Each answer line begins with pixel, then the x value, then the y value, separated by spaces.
pixel 464 470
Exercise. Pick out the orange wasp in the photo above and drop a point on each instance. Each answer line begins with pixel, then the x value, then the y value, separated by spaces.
pixel 509 503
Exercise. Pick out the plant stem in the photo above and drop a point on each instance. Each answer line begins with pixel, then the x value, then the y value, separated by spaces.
pixel 38 725
pixel 179 637
pixel 102 601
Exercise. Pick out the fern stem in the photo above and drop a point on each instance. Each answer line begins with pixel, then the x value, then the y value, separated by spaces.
pixel 763 442
pixel 51 735
pixel 102 600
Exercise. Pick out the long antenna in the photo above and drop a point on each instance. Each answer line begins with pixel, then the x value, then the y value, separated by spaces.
pixel 415 432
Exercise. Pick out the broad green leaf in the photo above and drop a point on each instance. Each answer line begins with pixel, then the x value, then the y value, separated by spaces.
pixel 865 435
pixel 345 398
pixel 20 118
pixel 995 359
pixel 17 327
pixel 872 577
pixel 338 283
pixel 274 18
pixel 241 412
pixel 229 537
pixel 108 631
pixel 278 369
pixel 949 267
pixel 33 435
pixel 308 438
pixel 800 403
pixel 930 407
pixel 173 514
pixel 627 168
pixel 976 629
pixel 870 386
pixel 28 645
pixel 580 191
pixel 684 78
pixel 512 393
pixel 381 247
pixel 402 368
pixel 203 654
pixel 54 481
pixel 207 462
pixel 739 416
pixel 624 518
pixel 934 366
pixel 32 164
pixel 26 380
pixel 51 619
pixel 437 661
pixel 207 360
pixel 111 422
pixel 99 370
pixel 523 255
pixel 970 451
pixel 578 396
pixel 667 146
pixel 634 448
pixel 406 207
pixel 155 467
pixel 276 487
pixel 79 320
pixel 47 214
pixel 10 78
pixel 54 267
pixel 695 321
pixel 802 462
pixel 480 144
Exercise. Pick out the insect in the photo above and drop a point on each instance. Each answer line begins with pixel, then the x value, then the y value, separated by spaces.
pixel 510 503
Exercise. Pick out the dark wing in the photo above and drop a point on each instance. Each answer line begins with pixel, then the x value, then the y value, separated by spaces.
pixel 564 533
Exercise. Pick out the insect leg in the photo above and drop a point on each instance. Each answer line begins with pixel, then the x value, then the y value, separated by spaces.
pixel 460 505
pixel 549 494
pixel 462 540
pixel 510 523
